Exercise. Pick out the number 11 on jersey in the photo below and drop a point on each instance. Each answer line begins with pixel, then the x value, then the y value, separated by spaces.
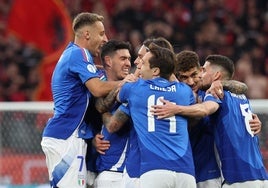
pixel 151 118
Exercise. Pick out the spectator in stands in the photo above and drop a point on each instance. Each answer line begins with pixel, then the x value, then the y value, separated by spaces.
pixel 237 25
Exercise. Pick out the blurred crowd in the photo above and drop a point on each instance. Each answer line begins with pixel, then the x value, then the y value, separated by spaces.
pixel 18 63
pixel 235 28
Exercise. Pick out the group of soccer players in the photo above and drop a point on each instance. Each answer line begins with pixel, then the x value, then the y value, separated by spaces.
pixel 153 133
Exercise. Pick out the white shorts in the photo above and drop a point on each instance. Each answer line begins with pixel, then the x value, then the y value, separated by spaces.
pixel 212 183
pixel 130 182
pixel 65 161
pixel 166 178
pixel 108 179
pixel 248 184
pixel 91 176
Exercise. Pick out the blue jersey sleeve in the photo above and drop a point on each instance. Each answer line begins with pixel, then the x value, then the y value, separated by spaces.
pixel 209 97
pixel 83 65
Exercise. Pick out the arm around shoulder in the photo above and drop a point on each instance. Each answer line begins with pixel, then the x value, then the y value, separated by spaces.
pixel 235 86
pixel 100 88
pixel 198 110
pixel 169 109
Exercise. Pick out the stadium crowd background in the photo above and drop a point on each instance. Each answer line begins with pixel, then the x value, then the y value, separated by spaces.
pixel 235 28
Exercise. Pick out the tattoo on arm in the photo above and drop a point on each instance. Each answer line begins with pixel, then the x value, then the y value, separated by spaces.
pixel 105 104
pixel 106 117
pixel 118 119
pixel 235 86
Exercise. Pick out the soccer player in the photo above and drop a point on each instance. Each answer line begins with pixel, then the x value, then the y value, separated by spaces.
pixel 207 172
pixel 160 41
pixel 237 146
pixel 165 151
pixel 115 57
pixel 132 172
pixel 75 80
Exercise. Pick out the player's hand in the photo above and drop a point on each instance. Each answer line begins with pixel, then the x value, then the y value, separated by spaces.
pixel 163 111
pixel 216 89
pixel 100 144
pixel 255 124
pixel 130 78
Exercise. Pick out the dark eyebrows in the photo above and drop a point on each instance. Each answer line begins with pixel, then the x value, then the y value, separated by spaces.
pixel 194 73
pixel 125 57
pixel 184 77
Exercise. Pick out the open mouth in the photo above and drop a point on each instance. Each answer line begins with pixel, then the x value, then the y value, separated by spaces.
pixel 126 70
pixel 100 47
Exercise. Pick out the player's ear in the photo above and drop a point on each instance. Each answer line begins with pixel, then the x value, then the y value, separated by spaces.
pixel 87 34
pixel 218 75
pixel 108 61
pixel 156 71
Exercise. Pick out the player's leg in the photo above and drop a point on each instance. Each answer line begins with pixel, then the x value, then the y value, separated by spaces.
pixel 65 161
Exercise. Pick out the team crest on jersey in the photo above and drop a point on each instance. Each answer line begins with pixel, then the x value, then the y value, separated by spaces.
pixel 81 180
pixel 91 68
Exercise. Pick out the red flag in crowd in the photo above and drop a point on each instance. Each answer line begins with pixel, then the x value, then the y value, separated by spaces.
pixel 47 25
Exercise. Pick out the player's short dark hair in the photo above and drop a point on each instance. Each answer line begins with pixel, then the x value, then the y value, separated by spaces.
pixel 224 62
pixel 185 61
pixel 160 41
pixel 110 47
pixel 163 58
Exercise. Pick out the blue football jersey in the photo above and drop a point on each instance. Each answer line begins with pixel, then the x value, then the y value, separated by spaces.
pixel 237 146
pixel 115 157
pixel 70 95
pixel 202 142
pixel 133 153
pixel 163 143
